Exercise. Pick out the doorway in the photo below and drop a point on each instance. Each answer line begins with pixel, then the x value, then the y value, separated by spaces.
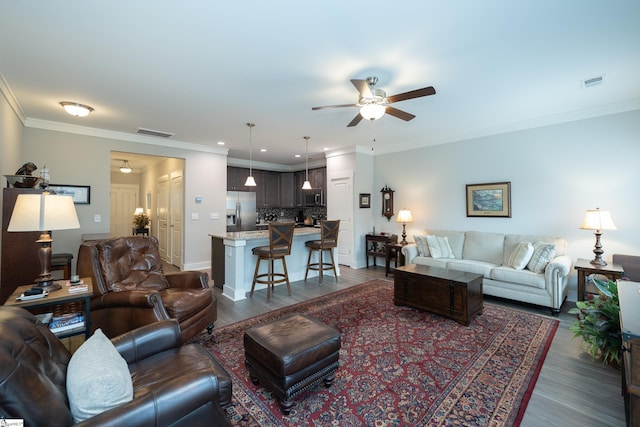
pixel 340 199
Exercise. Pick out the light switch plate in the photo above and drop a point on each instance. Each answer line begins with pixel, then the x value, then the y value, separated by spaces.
pixel 194 215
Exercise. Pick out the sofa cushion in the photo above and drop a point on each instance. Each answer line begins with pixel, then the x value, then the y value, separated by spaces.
pixel 456 240
pixel 439 247
pixel 521 277
pixel 98 378
pixel 423 246
pixel 512 240
pixel 521 255
pixel 431 262
pixel 481 246
pixel 471 266
pixel 543 253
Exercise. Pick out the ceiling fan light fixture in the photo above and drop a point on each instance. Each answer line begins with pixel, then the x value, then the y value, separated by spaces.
pixel 125 168
pixel 372 111
pixel 75 109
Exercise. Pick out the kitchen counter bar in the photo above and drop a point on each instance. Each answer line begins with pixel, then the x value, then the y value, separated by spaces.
pixel 240 263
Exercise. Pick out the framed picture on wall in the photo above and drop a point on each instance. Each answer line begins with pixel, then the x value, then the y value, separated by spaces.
pixel 365 200
pixel 489 200
pixel 81 193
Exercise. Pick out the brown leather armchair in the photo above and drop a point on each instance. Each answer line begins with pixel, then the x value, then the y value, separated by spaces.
pixel 130 288
pixel 173 384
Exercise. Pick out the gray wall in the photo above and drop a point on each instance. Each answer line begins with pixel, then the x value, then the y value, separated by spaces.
pixel 556 173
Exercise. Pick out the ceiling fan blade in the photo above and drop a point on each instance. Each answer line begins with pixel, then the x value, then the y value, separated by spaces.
pixel 425 91
pixel 363 88
pixel 355 121
pixel 399 114
pixel 334 106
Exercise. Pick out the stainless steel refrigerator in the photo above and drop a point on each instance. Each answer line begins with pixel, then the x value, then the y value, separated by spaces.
pixel 241 210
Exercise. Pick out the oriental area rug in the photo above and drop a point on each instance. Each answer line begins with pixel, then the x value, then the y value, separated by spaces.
pixel 399 366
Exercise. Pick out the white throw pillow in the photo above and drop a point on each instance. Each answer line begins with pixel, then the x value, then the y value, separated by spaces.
pixel 423 246
pixel 98 378
pixel 543 253
pixel 439 247
pixel 521 255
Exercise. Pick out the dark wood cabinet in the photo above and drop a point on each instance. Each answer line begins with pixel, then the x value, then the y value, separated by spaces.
pixel 276 189
pixel 236 178
pixel 20 264
pixel 287 190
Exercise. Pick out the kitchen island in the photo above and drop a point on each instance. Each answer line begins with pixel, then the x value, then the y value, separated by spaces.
pixel 233 251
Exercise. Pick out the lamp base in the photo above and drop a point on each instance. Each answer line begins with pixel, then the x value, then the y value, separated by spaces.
pixel 47 284
pixel 599 262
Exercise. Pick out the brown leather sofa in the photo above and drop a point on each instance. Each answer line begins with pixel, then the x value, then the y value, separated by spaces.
pixel 130 288
pixel 173 384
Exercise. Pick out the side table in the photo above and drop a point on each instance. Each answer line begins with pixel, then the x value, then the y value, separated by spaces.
pixel 394 252
pixel 59 297
pixel 585 269
pixel 375 245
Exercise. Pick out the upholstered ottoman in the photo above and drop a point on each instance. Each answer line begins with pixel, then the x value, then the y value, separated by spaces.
pixel 290 355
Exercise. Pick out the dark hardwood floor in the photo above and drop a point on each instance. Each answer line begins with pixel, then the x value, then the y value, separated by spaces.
pixel 572 389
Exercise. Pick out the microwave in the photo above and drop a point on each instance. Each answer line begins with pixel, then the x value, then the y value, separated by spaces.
pixel 313 198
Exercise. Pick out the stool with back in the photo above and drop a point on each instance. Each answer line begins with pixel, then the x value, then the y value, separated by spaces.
pixel 328 241
pixel 280 241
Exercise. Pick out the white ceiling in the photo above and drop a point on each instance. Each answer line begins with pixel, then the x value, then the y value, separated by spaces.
pixel 201 69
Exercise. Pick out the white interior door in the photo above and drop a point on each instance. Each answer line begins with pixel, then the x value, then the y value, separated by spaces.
pixel 123 202
pixel 340 199
pixel 163 217
pixel 177 222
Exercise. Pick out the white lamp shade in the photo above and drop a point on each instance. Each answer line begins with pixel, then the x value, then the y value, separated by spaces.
pixel 372 111
pixel 595 219
pixel 404 215
pixel 43 212
pixel 250 182
pixel 306 185
pixel 138 211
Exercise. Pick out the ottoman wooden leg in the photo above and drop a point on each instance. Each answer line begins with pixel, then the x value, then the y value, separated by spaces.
pixel 328 381
pixel 254 379
pixel 285 406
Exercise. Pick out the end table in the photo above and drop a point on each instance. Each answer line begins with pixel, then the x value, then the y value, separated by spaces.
pixel 586 269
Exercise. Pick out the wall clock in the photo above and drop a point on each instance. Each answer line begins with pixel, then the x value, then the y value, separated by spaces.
pixel 387 202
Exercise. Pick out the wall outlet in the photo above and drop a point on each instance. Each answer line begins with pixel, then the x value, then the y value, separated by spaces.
pixel 97 218
pixel 215 215
pixel 194 215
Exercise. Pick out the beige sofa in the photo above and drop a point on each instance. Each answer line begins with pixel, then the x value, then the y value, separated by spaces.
pixel 490 254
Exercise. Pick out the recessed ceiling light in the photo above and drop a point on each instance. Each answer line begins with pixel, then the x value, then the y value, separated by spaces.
pixel 326 148
pixel 263 150
pixel 220 142
pixel 297 155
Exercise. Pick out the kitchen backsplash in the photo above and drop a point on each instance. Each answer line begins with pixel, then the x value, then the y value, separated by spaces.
pixel 289 214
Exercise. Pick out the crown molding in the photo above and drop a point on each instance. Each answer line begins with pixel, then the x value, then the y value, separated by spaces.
pixel 11 99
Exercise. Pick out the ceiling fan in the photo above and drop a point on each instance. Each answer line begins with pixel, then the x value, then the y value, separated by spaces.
pixel 374 102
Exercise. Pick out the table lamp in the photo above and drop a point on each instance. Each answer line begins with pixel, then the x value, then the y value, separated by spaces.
pixel 404 216
pixel 597 220
pixel 44 212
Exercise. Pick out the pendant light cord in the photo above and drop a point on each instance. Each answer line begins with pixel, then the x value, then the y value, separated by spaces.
pixel 251 125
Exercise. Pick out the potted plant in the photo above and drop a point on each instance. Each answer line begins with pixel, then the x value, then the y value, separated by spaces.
pixel 598 323
pixel 141 220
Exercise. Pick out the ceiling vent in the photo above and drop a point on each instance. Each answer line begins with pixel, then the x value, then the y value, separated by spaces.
pixel 594 81
pixel 152 132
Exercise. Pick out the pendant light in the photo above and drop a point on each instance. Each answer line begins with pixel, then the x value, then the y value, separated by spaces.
pixel 250 182
pixel 307 184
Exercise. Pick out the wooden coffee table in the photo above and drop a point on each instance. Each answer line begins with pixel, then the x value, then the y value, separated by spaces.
pixel 450 293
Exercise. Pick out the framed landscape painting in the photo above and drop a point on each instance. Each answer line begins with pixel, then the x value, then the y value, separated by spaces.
pixel 491 199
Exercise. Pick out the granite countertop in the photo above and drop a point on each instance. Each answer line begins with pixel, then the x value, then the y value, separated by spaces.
pixel 263 234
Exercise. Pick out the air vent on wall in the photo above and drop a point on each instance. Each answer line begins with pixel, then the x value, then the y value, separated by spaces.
pixel 152 132
pixel 594 81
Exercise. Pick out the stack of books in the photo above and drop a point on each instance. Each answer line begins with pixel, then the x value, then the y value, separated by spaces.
pixel 76 287
pixel 67 322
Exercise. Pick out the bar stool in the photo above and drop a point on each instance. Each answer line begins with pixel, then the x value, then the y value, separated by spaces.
pixel 280 240
pixel 328 241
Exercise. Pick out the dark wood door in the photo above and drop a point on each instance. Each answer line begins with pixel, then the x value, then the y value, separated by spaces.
pixel 20 264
